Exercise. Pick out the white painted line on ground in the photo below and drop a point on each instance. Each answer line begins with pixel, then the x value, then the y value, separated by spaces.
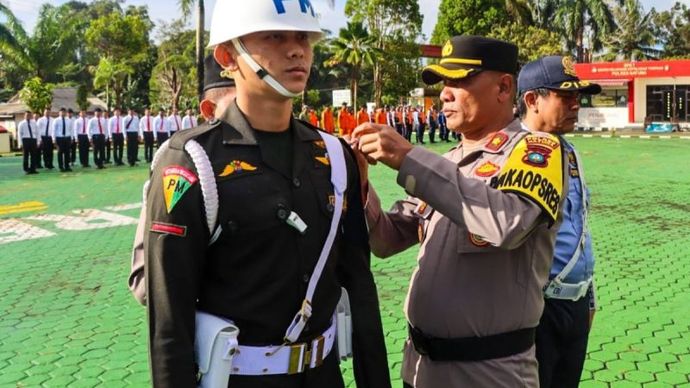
pixel 625 136
pixel 606 136
pixel 569 135
pixel 587 135
pixel 665 137
pixel 645 137
pixel 120 208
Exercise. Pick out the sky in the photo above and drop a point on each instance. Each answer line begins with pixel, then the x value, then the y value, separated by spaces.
pixel 333 19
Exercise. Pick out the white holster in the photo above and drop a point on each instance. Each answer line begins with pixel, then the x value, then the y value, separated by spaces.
pixel 344 325
pixel 215 343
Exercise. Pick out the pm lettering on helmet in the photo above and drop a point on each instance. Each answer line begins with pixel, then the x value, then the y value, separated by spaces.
pixel 304 5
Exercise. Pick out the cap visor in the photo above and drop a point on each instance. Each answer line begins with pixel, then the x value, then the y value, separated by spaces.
pixel 436 73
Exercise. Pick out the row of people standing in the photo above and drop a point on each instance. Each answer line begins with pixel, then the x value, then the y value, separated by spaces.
pixel 104 135
pixel 405 119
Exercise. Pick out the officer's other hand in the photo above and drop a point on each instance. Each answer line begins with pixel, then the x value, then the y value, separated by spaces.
pixel 382 143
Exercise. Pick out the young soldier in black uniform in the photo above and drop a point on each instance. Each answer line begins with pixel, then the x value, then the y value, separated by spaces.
pixel 275 207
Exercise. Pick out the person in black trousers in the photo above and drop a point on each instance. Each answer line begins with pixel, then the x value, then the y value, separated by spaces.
pixel 27 132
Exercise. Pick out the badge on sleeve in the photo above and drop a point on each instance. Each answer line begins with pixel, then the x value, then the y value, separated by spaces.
pixel 176 181
pixel 486 170
pixel 535 169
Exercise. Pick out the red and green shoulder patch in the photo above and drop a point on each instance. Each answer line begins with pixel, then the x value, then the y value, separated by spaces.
pixel 176 181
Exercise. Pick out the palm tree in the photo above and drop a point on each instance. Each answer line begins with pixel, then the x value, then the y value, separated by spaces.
pixel 519 11
pixel 186 7
pixel 575 16
pixel 356 48
pixel 634 38
pixel 15 45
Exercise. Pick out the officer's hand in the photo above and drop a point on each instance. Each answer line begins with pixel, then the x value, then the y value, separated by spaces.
pixel 382 143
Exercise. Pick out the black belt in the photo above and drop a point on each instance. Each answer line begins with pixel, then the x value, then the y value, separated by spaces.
pixel 472 348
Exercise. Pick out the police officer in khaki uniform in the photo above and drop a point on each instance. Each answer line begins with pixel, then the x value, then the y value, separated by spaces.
pixel 549 93
pixel 273 180
pixel 485 214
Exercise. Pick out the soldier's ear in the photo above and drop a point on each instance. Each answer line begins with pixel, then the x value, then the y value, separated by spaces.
pixel 207 108
pixel 223 54
pixel 530 99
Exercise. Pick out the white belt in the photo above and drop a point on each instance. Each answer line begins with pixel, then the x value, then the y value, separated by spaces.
pixel 558 290
pixel 283 359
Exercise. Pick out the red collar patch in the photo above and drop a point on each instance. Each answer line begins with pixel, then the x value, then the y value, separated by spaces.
pixel 486 170
pixel 497 141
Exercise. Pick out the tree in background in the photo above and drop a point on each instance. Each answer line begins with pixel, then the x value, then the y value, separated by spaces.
pixel 672 28
pixel 121 42
pixel 533 42
pixel 174 74
pixel 468 17
pixel 82 97
pixel 573 17
pixel 634 39
pixel 186 7
pixel 391 23
pixel 355 47
pixel 43 54
pixel 36 95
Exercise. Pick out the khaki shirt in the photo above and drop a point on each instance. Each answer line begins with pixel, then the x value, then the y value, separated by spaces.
pixel 484 258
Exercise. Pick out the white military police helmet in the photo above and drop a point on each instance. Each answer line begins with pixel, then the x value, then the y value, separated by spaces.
pixel 236 18
pixel 233 19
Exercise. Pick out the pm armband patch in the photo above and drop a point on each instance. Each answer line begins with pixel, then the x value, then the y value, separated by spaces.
pixel 535 170
pixel 176 181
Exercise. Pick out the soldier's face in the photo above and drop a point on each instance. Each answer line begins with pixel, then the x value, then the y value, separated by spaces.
pixel 558 110
pixel 286 55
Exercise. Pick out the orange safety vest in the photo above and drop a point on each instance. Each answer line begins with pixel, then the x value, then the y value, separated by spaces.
pixel 380 117
pixel 327 121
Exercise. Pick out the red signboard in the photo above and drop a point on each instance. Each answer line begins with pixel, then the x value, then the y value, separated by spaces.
pixel 630 70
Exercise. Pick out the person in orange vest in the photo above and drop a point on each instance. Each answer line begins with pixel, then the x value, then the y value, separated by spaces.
pixel 312 117
pixel 362 116
pixel 380 116
pixel 327 120
pixel 342 119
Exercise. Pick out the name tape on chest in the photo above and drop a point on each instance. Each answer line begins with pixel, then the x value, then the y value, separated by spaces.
pixel 176 181
pixel 535 170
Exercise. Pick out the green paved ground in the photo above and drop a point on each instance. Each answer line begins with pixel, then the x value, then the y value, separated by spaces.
pixel 66 316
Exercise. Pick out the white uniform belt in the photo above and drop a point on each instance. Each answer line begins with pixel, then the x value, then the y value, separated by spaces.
pixel 283 359
pixel 556 289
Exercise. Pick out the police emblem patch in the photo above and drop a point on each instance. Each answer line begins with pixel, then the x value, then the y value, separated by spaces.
pixel 486 170
pixel 538 150
pixel 477 241
pixel 176 181
pixel 496 141
pixel 236 166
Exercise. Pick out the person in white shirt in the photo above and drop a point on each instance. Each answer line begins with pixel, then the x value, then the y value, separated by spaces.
pixel 131 123
pixel 146 131
pixel 162 128
pixel 73 140
pixel 27 134
pixel 116 130
pixel 174 122
pixel 98 129
pixel 62 136
pixel 46 141
pixel 81 131
pixel 189 121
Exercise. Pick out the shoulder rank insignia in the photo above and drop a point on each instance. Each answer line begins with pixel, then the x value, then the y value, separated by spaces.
pixel 496 141
pixel 486 170
pixel 236 166
pixel 535 169
pixel 176 181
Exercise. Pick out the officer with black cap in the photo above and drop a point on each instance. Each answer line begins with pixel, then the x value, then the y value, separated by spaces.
pixel 219 89
pixel 549 92
pixel 485 230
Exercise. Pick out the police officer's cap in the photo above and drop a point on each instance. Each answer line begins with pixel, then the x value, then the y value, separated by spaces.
pixel 467 55
pixel 553 72
pixel 215 76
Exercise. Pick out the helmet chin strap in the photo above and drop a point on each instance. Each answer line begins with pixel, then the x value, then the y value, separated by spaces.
pixel 261 72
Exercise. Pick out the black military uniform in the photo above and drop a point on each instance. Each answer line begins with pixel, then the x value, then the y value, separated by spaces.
pixel 257 273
